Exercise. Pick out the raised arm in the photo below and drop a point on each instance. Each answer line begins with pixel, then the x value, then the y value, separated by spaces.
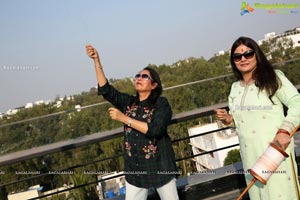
pixel 92 53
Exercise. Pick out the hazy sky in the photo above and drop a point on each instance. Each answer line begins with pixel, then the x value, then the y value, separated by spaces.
pixel 42 43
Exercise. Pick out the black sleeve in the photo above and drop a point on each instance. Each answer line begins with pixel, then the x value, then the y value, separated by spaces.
pixel 118 99
pixel 162 116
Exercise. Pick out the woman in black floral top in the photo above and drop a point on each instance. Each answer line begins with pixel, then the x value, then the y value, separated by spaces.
pixel 149 156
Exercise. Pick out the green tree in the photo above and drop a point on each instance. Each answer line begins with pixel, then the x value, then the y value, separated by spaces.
pixel 87 192
pixel 233 156
pixel 3 193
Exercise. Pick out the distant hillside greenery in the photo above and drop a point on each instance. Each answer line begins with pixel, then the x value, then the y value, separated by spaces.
pixel 72 123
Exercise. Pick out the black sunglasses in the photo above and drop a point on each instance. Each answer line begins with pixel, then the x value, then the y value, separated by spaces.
pixel 144 76
pixel 247 54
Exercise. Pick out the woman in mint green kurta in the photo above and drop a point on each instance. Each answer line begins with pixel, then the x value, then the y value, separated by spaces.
pixel 256 105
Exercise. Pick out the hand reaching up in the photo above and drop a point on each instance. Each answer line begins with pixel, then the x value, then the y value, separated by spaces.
pixel 92 52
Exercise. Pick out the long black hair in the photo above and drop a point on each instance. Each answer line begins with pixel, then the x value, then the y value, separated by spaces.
pixel 264 74
pixel 155 93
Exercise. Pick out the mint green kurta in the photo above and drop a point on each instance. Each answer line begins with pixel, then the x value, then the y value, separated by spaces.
pixel 257 121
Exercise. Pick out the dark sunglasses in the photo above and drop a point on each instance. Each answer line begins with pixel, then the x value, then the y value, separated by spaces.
pixel 248 55
pixel 144 76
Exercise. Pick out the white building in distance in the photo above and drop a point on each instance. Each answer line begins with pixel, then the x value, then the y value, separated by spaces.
pixel 36 191
pixel 12 111
pixel 293 35
pixel 32 192
pixel 209 142
pixel 28 105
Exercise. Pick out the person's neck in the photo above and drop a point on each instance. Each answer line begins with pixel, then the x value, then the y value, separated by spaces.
pixel 247 78
pixel 143 95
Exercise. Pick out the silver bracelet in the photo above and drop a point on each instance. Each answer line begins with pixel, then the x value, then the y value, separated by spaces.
pixel 129 123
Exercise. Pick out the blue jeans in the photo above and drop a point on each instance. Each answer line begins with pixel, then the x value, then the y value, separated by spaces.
pixel 166 192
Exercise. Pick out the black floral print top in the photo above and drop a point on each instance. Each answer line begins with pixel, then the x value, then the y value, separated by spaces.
pixel 149 158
